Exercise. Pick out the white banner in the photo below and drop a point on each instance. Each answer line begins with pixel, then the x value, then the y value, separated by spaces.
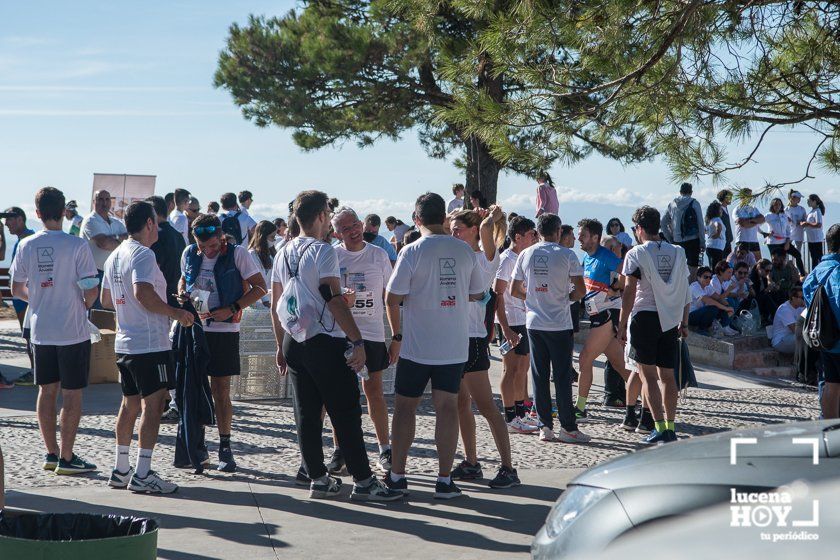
pixel 124 189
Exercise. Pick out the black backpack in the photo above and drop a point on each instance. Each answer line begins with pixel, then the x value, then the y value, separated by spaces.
pixel 231 227
pixel 688 225
pixel 820 329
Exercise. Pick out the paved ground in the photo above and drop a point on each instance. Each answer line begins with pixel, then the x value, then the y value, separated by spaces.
pixel 259 512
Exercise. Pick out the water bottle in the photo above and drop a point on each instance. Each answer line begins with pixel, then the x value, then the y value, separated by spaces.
pixel 505 347
pixel 746 322
pixel 362 374
pixel 95 335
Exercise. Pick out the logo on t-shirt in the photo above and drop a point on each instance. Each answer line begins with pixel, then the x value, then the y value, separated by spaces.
pixel 45 259
pixel 448 302
pixel 541 288
pixel 540 266
pixel 447 267
pixel 48 283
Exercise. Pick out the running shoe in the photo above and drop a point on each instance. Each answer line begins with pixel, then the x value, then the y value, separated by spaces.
pixel 226 461
pixel 151 484
pixel 518 426
pixel 120 480
pixel 530 420
pixel 384 461
pixel 301 478
pixel 656 437
pixel 336 466
pixel 630 423
pixel 528 404
pixel 547 434
pixel 466 471
pixel 171 416
pixel 506 478
pixel 646 423
pixel 444 491
pixel 329 487
pixel 581 415
pixel 76 465
pixel 204 464
pixel 50 461
pixel 614 403
pixel 670 436
pixel 400 485
pixel 729 331
pixel 374 491
pixel 575 436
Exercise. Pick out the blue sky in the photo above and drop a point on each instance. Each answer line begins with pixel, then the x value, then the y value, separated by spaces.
pixel 119 87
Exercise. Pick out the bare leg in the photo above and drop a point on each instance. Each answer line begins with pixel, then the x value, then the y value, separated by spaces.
pixel 71 414
pixel 150 419
pixel 446 429
pixel 508 386
pixel 669 392
pixel 220 387
pixel 524 363
pixel 597 341
pixel 46 409
pixel 831 400
pixel 466 421
pixel 478 386
pixel 377 408
pixel 634 388
pixel 650 387
pixel 403 424
pixel 126 418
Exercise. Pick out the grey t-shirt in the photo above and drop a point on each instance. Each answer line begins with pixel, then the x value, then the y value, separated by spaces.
pixel 663 255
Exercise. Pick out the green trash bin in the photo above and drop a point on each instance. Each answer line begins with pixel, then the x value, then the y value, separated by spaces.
pixel 77 536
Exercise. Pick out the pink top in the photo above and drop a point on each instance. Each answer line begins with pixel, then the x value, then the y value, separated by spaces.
pixel 547 200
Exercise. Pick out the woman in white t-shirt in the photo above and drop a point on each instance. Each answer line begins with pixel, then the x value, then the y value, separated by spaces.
pixel 705 309
pixel 484 232
pixel 796 214
pixel 715 233
pixel 813 225
pixel 261 249
pixel 616 229
pixel 779 235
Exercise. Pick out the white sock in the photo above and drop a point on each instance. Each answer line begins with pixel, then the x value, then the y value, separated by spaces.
pixel 122 459
pixel 172 402
pixel 396 477
pixel 445 479
pixel 144 463
pixel 384 448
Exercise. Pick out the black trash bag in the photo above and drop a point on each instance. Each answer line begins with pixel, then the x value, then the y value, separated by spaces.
pixel 73 526
pixel 684 372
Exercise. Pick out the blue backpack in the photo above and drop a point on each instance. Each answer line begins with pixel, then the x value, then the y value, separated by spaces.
pixel 688 224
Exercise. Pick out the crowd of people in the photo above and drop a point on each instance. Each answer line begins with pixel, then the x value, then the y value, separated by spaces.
pixel 460 275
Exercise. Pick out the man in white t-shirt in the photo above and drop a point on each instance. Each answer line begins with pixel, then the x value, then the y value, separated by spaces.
pixel 231 212
pixel 55 273
pixel 365 269
pixel 458 202
pixel 103 231
pixel 225 279
pixel 541 277
pixel 178 217
pixel 435 278
pixel 135 288
pixel 784 322
pixel 747 220
pixel 322 352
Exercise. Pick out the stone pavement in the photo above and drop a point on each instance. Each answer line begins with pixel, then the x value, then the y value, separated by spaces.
pixel 261 512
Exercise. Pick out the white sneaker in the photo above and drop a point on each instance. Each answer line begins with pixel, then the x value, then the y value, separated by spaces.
pixel 530 420
pixel 575 436
pixel 151 484
pixel 729 331
pixel 517 426
pixel 547 435
pixel 120 480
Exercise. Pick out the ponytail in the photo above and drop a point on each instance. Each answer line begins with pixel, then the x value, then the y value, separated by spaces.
pixel 819 202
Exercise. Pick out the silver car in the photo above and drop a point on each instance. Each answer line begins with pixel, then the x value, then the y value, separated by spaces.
pixel 618 496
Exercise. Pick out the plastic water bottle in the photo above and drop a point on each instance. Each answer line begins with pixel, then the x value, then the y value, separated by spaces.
pixel 747 322
pixel 505 347
pixel 95 335
pixel 362 374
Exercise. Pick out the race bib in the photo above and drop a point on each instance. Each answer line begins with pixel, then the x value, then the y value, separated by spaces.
pixel 364 305
pixel 594 302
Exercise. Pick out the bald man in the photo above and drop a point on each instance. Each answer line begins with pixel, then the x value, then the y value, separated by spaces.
pixel 103 231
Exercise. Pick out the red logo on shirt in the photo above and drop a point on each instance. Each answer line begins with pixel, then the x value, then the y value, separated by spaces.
pixel 48 283
pixel 448 302
pixel 541 288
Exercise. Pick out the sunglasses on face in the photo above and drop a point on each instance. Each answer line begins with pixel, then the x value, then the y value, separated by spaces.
pixel 706 277
pixel 206 230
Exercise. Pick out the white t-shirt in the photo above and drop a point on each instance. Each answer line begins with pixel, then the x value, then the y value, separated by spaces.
pixel 266 274
pixel 779 228
pixel 815 235
pixel 399 232
pixel 246 222
pixel 50 263
pixel 796 214
pixel 207 281
pixel 139 331
pixel 698 292
pixel 718 242
pixel 454 204
pixel 625 238
pixel 317 261
pixel 663 255
pixel 745 234
pixel 547 270
pixel 181 223
pixel 94 225
pixel 436 274
pixel 367 273
pixel 478 310
pixel 786 316
pixel 514 307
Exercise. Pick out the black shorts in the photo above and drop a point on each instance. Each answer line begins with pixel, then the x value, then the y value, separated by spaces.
pixel 574 309
pixel 752 246
pixel 376 356
pixel 523 348
pixel 479 355
pixel 831 367
pixel 692 251
pixel 146 374
pixel 411 378
pixel 224 353
pixel 68 364
pixel 603 317
pixel 649 345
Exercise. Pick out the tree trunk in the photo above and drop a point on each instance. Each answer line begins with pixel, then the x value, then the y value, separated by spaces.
pixel 482 170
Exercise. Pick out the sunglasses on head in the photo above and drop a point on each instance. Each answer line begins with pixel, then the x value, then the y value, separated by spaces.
pixel 206 230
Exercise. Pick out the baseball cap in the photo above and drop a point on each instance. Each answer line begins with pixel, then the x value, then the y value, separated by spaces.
pixel 14 211
pixel 796 194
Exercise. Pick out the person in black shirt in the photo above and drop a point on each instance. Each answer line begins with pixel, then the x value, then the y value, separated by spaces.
pixel 168 249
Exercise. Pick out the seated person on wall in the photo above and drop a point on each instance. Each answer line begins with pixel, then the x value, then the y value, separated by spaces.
pixel 741 254
pixel 731 286
pixel 783 276
pixel 760 279
pixel 705 308
pixel 784 323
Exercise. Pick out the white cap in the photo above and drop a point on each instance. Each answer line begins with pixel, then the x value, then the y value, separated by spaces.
pixel 796 194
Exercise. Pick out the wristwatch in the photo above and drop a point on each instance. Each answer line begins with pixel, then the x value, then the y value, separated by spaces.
pixel 397 337
pixel 357 343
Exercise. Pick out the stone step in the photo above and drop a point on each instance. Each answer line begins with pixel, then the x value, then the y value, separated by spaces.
pixel 765 358
pixel 782 372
